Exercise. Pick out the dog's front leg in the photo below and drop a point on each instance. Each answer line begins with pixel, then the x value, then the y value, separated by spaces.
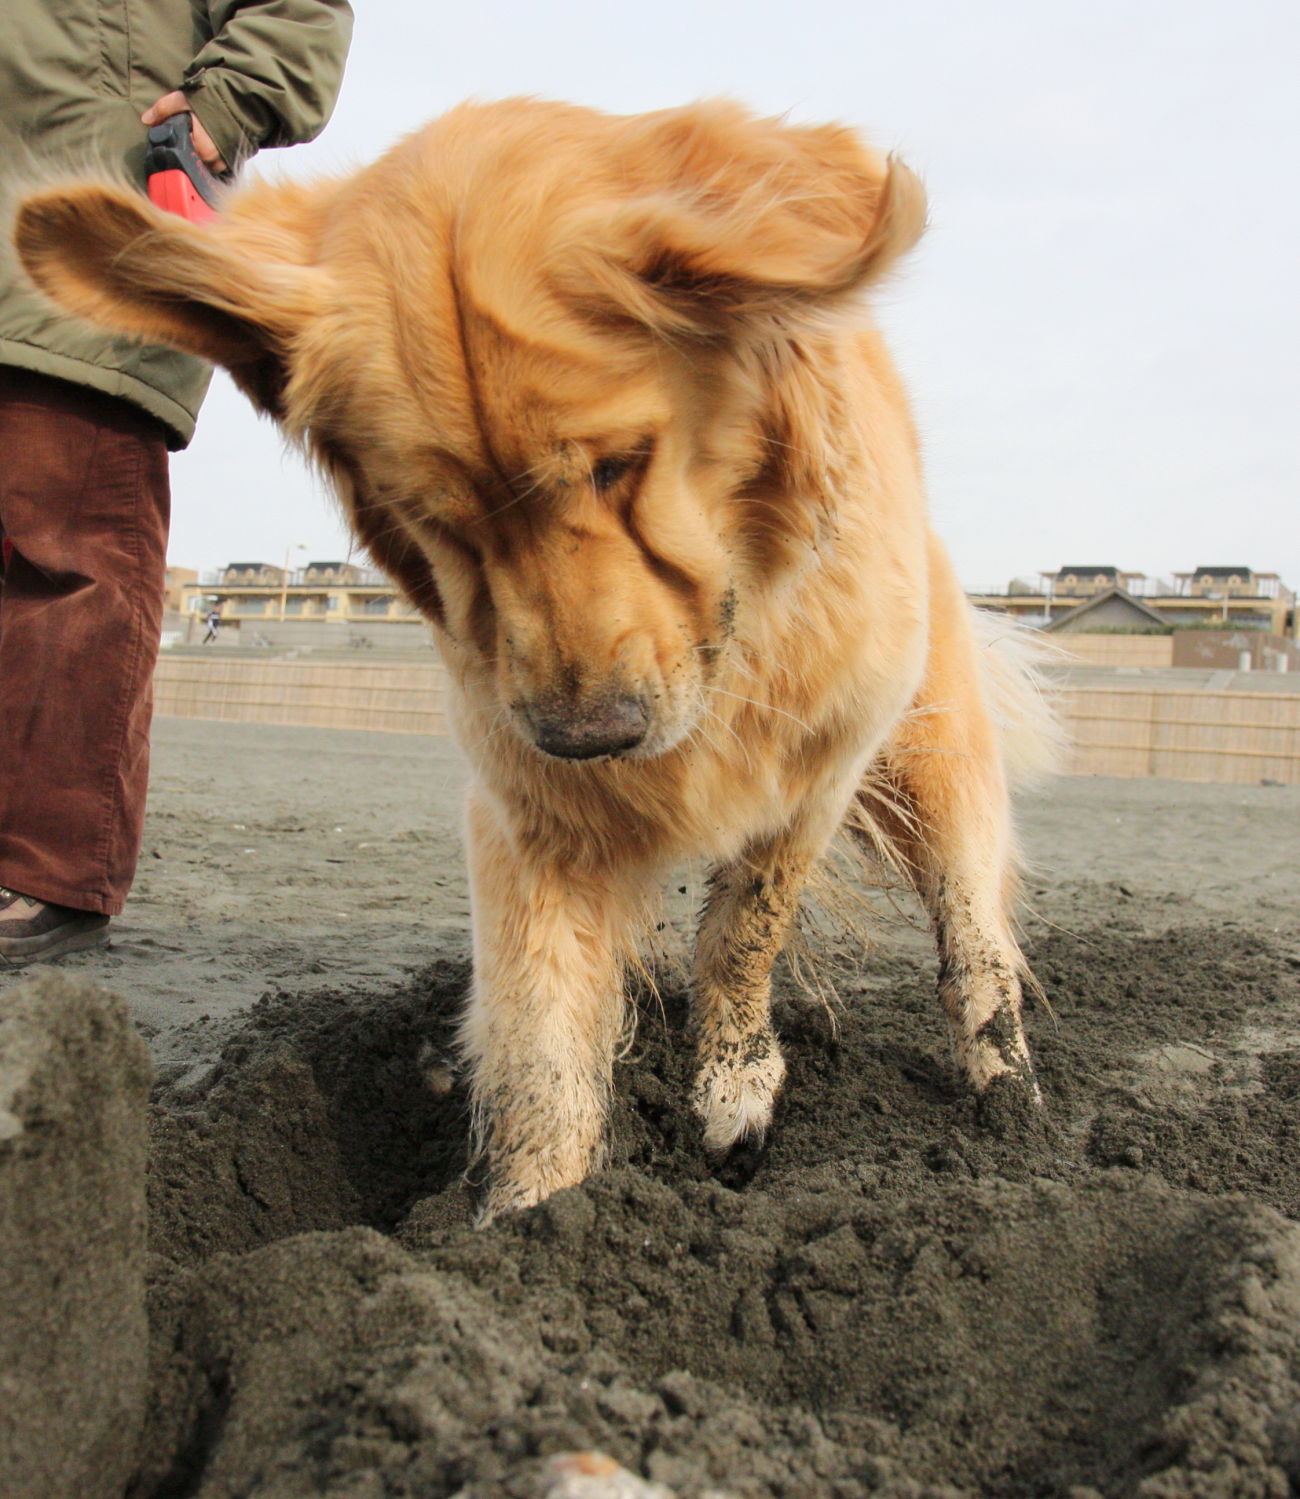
pixel 544 1016
pixel 739 1067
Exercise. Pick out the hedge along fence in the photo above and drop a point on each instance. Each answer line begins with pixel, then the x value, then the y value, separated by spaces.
pixel 1115 731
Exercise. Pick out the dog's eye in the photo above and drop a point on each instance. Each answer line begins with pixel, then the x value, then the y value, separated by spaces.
pixel 606 474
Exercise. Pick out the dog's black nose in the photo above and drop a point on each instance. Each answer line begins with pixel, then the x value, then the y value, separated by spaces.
pixel 605 728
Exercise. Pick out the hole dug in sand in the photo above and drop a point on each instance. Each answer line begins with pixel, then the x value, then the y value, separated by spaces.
pixel 318 1114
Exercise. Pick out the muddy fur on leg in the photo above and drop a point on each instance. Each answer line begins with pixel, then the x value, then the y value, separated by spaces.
pixel 739 1066
pixel 546 1013
pixel 942 802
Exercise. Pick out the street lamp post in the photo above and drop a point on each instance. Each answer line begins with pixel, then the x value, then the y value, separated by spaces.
pixel 284 576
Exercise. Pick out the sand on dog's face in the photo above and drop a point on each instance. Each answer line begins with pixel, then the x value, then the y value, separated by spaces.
pixel 896 1298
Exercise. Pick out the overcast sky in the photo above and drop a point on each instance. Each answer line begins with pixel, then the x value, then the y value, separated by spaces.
pixel 1101 330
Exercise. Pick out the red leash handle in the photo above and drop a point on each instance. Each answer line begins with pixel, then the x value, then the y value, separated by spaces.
pixel 179 180
pixel 174 191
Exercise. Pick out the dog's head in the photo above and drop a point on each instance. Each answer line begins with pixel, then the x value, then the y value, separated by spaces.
pixel 541 351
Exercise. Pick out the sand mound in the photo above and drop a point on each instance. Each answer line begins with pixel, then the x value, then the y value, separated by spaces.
pixel 975 1336
pixel 74 1079
pixel 899 1297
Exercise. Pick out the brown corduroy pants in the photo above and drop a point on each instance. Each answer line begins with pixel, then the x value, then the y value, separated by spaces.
pixel 84 510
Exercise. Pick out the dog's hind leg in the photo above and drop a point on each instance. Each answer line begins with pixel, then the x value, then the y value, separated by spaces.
pixel 939 794
pixel 950 825
pixel 545 1014
pixel 739 1067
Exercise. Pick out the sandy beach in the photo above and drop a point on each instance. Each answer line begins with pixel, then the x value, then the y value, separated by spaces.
pixel 899 1296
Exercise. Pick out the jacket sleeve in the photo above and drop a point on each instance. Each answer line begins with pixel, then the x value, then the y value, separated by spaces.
pixel 271 72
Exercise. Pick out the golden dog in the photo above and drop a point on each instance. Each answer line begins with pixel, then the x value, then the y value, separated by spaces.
pixel 599 393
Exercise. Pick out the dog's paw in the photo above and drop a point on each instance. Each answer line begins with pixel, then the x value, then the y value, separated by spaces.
pixel 736 1089
pixel 737 1167
pixel 997 1051
pixel 1011 1108
pixel 509 1197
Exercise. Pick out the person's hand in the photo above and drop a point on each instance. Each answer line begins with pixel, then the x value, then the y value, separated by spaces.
pixel 176 103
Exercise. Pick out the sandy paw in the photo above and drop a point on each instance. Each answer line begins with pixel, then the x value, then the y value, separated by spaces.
pixel 1011 1108
pixel 510 1197
pixel 998 1050
pixel 512 1194
pixel 734 1096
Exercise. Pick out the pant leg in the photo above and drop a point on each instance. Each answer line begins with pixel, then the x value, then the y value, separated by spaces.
pixel 84 506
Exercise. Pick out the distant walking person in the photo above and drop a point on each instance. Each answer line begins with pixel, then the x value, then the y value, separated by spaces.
pixel 86 420
pixel 213 622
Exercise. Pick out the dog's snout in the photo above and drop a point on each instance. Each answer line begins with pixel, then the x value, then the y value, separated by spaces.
pixel 607 727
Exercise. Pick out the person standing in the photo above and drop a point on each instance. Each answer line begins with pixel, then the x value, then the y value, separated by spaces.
pixel 86 423
pixel 213 621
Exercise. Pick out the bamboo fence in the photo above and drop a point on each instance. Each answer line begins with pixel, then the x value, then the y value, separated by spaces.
pixel 1114 650
pixel 1182 734
pixel 394 696
pixel 1115 730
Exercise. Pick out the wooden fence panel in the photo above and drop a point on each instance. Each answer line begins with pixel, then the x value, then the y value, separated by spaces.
pixel 1119 730
pixel 335 695
pixel 1115 650
pixel 1183 735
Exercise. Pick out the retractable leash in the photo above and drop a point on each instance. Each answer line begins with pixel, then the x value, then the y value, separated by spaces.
pixel 179 180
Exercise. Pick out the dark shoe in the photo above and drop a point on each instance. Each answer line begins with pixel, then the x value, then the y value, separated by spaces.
pixel 34 931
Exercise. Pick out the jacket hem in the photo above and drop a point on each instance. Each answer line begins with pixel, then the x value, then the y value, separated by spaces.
pixel 175 418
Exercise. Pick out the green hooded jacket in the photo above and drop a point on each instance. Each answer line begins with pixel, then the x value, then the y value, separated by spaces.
pixel 75 77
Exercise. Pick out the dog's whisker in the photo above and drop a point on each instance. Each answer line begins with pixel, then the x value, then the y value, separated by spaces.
pixel 790 447
pixel 500 722
pixel 744 749
pixel 769 707
pixel 699 733
pixel 736 661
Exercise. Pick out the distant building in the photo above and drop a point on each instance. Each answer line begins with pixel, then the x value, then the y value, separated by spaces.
pixel 1225 584
pixel 251 575
pixel 1110 609
pixel 328 592
pixel 1084 582
pixel 334 572
pixel 1077 597
pixel 175 582
pixel 1106 597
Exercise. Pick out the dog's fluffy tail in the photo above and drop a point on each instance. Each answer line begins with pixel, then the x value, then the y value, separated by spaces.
pixel 1020 696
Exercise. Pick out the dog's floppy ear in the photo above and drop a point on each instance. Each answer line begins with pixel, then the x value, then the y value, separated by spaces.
pixel 746 223
pixel 235 293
